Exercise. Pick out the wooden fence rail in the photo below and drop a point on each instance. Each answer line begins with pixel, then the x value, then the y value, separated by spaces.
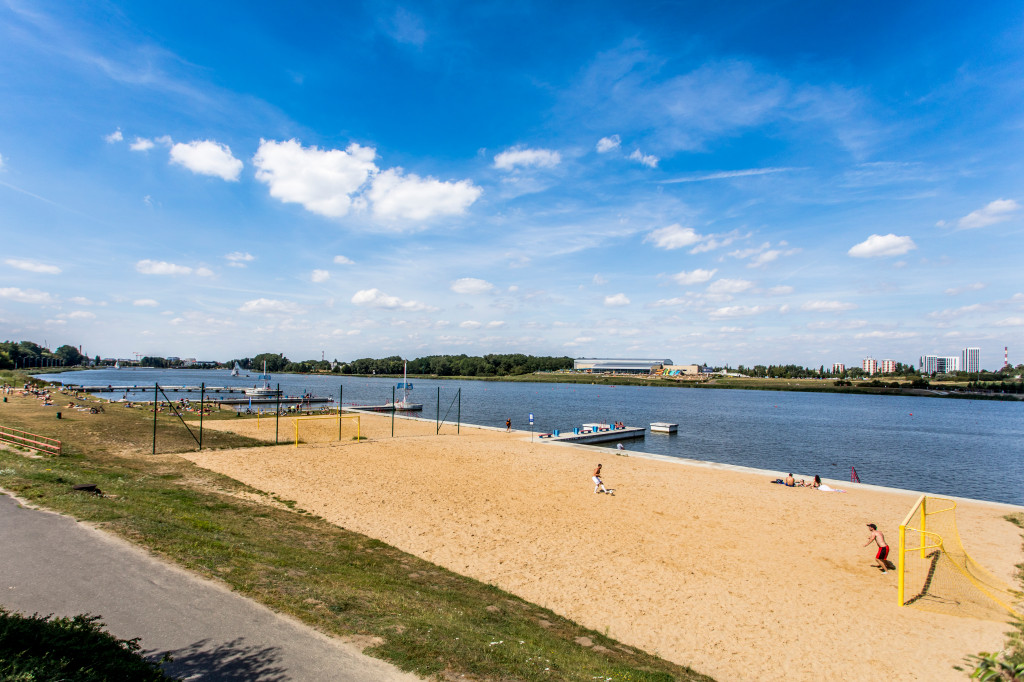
pixel 30 440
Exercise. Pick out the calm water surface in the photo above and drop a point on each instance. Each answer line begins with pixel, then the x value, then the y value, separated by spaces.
pixel 966 448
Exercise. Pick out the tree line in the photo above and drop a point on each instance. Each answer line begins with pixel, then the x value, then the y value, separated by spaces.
pixel 494 365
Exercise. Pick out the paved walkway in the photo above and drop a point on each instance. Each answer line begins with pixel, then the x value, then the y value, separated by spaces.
pixel 52 564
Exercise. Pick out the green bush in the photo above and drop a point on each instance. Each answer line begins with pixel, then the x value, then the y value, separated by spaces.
pixel 45 648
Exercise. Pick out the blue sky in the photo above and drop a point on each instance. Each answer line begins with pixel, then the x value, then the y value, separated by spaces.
pixel 765 182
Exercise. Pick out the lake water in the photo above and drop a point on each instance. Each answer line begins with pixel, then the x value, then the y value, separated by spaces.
pixel 965 448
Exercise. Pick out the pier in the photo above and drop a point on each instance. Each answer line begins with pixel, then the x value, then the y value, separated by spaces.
pixel 589 434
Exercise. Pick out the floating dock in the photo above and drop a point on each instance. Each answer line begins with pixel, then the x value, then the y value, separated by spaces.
pixel 664 427
pixel 589 434
pixel 412 407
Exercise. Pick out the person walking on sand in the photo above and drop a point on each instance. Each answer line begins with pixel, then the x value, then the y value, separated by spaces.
pixel 598 483
pixel 883 549
pixel 508 425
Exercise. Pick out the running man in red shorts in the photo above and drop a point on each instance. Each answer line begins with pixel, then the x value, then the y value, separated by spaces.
pixel 883 549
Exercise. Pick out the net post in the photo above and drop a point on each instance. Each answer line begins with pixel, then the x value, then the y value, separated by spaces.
pixel 924 499
pixel 900 575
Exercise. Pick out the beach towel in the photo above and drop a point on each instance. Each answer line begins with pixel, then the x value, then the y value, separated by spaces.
pixel 826 489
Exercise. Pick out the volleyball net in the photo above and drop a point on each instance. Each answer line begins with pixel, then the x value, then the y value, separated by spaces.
pixel 328 428
pixel 937 574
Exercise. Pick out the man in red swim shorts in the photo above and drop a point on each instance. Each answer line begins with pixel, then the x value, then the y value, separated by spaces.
pixel 883 549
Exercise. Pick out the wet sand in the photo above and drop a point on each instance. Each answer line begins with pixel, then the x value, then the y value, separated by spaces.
pixel 709 566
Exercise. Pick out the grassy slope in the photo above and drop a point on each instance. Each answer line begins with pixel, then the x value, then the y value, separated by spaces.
pixel 418 615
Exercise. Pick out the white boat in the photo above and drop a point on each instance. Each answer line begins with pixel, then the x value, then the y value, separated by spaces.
pixel 405 404
pixel 664 427
pixel 264 391
pixel 236 371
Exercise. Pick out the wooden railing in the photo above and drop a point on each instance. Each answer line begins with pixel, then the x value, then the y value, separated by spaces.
pixel 30 440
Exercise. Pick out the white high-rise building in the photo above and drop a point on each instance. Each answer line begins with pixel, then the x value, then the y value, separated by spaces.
pixel 937 364
pixel 888 367
pixel 838 368
pixel 970 360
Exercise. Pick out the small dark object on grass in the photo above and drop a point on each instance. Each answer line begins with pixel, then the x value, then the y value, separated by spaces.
pixel 88 488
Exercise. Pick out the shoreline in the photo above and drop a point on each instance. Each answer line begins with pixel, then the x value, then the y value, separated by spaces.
pixel 708 565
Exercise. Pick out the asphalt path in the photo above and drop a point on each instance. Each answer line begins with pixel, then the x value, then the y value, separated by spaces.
pixel 50 563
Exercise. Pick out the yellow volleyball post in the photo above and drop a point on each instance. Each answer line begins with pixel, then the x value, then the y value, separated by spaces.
pixel 924 499
pixel 900 579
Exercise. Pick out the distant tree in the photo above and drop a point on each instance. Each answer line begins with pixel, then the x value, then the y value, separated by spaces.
pixel 69 355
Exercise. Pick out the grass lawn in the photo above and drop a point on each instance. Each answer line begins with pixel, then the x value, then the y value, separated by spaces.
pixel 422 617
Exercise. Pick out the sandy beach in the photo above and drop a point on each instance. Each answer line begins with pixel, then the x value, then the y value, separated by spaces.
pixel 709 566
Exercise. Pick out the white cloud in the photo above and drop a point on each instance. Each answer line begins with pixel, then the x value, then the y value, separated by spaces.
pixel 81 315
pixel 152 267
pixel 204 272
pixel 145 303
pixel 955 291
pixel 268 306
pixel 238 259
pixel 607 144
pixel 694 276
pixel 26 295
pixel 471 285
pixel 877 246
pixel 32 266
pixel 113 137
pixel 1 161
pixel 724 175
pixel 495 324
pixel 341 260
pixel 780 290
pixel 995 212
pixel 322 181
pixel 598 280
pixel 738 311
pixel 415 198
pixel 616 300
pixel 674 236
pixel 833 325
pixel 207 157
pixel 827 306
pixel 729 286
pixel 320 276
pixel 524 157
pixel 470 324
pixel 579 341
pixel 648 160
pixel 1010 322
pixel 141 144
pixel 80 300
pixel 885 335
pixel 378 299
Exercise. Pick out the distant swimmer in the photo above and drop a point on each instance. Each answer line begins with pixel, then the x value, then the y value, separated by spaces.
pixel 598 483
pixel 883 549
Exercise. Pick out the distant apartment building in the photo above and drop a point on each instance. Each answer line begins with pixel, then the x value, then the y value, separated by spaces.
pixel 870 365
pixel 887 367
pixel 970 360
pixel 937 364
pixel 838 368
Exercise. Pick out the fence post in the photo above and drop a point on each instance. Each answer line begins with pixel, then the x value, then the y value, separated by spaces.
pixel 156 387
pixel 202 404
pixel 437 428
pixel 392 411
pixel 458 420
pixel 277 415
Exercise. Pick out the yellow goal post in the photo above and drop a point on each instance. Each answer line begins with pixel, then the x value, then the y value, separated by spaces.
pixel 334 417
pixel 935 572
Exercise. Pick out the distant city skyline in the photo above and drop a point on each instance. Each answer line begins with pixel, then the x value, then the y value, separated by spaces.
pixel 732 184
